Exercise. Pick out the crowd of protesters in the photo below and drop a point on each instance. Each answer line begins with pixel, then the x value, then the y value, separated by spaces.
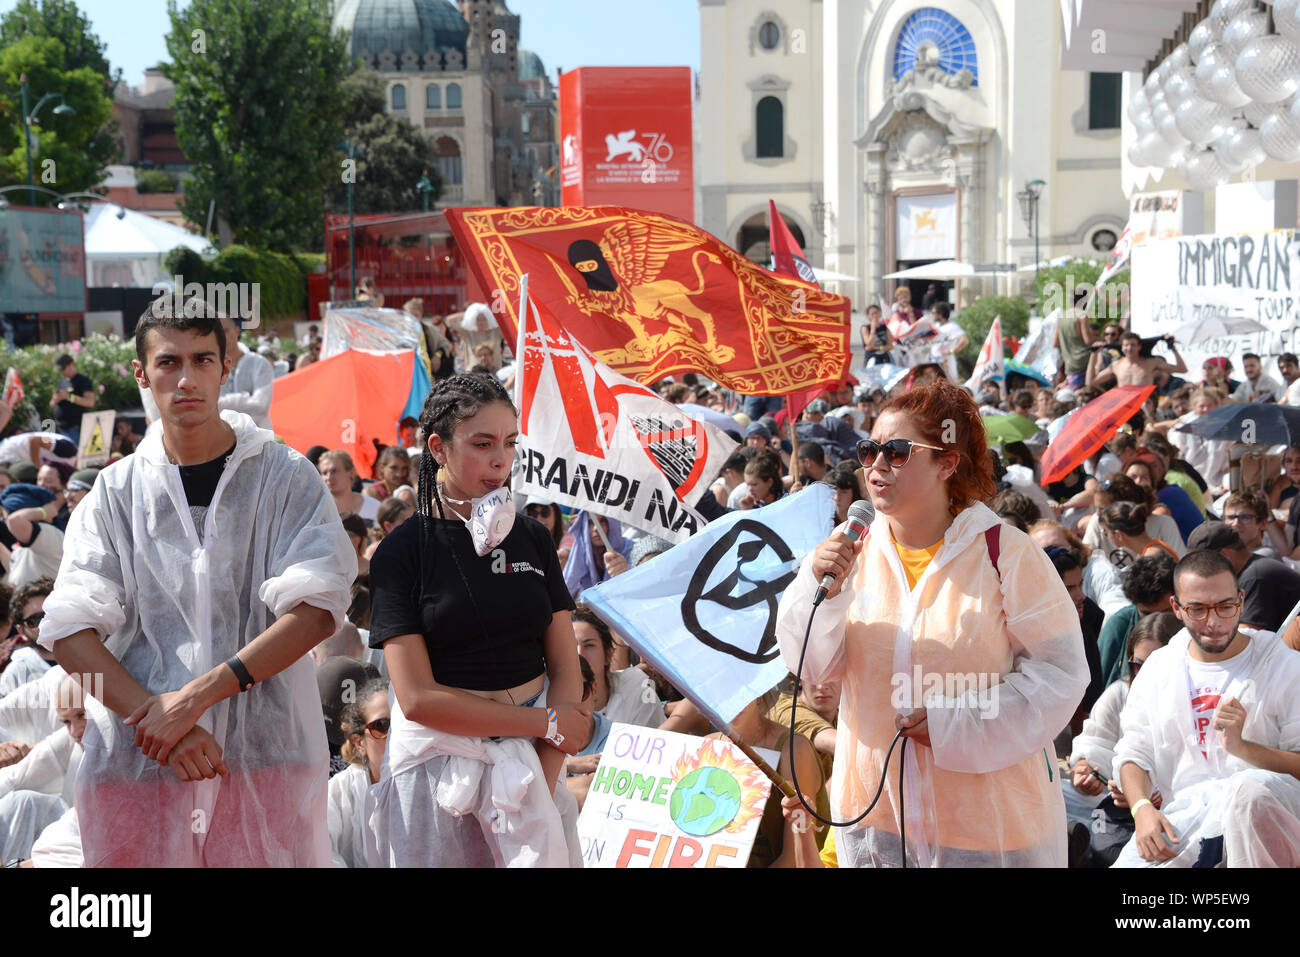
pixel 1156 540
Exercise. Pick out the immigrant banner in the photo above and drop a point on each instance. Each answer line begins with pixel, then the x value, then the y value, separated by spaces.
pixel 1253 276
pixel 598 441
pixel 661 799
pixel 704 613
pixel 653 297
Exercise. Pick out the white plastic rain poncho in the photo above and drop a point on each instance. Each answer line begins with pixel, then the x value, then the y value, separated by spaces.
pixel 59 845
pixel 28 713
pixel 445 800
pixel 1256 812
pixel 249 387
pixel 986 793
pixel 48 768
pixel 347 795
pixel 171 608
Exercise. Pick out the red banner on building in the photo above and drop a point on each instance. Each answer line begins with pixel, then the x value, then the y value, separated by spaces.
pixel 652 296
pixel 625 134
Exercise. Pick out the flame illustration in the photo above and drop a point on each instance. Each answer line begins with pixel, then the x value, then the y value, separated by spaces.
pixel 724 756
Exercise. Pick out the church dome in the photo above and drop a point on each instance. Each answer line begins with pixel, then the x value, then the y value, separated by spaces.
pixel 530 65
pixel 397 26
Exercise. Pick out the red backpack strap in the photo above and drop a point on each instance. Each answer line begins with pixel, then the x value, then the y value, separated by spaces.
pixel 993 539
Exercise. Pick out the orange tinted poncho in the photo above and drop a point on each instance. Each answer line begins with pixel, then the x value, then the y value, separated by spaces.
pixel 995 655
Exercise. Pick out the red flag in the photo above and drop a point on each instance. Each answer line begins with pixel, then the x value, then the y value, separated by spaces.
pixel 652 296
pixel 13 388
pixel 787 255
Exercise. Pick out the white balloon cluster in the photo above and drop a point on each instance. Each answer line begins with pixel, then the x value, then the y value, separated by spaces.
pixel 1225 100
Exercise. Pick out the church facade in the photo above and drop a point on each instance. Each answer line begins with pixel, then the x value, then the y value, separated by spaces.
pixel 892 133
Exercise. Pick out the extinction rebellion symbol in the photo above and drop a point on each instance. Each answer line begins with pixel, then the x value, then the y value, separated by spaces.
pixel 730 549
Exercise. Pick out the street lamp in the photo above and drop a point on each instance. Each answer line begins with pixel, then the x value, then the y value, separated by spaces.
pixel 349 146
pixel 1029 209
pixel 29 117
pixel 425 187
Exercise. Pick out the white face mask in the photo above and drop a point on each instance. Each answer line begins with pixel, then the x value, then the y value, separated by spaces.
pixel 490 519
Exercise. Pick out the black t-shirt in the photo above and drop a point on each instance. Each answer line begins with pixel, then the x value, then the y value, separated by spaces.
pixel 67 413
pixel 200 481
pixel 484 639
pixel 1272 590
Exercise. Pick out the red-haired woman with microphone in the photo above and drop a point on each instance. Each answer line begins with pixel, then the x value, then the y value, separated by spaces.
pixel 953 628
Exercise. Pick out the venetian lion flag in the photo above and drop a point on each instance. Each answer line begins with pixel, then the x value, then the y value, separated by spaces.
pixel 596 440
pixel 990 364
pixel 652 296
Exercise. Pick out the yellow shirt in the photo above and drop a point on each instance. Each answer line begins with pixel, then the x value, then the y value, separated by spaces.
pixel 828 855
pixel 916 560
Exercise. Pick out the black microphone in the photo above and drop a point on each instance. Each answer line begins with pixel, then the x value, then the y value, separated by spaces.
pixel 861 515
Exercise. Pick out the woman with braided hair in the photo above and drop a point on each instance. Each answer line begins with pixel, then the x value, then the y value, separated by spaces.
pixel 470 607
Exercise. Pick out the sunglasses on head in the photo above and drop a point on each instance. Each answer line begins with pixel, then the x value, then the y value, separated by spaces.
pixel 898 452
pixel 377 729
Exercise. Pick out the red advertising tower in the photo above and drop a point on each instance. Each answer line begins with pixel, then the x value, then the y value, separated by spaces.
pixel 625 137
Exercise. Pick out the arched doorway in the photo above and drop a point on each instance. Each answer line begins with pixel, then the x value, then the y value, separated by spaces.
pixel 752 239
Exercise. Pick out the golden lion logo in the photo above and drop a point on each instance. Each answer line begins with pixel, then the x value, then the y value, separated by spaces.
pixel 926 219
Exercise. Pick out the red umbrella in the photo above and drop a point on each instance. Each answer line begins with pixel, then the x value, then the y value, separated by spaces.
pixel 1090 428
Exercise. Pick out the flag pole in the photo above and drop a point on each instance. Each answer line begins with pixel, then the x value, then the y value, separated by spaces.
pixel 762 765
pixel 600 530
pixel 794 447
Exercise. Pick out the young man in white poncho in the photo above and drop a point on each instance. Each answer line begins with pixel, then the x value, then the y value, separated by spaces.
pixel 1213 721
pixel 196 575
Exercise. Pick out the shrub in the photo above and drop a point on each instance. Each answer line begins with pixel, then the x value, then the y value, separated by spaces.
pixel 105 360
pixel 1055 288
pixel 978 317
pixel 154 181
pixel 282 278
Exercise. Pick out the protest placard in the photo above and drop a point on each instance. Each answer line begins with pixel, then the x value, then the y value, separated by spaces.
pixel 661 799
pixel 96 439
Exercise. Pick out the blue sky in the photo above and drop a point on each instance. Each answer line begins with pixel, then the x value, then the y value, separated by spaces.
pixel 565 33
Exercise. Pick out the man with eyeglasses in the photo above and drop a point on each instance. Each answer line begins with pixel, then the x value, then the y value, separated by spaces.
pixel 1249 514
pixel 1213 722
pixel 29 661
pixel 1270 590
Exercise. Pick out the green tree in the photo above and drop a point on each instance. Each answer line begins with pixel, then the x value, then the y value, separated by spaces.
pixel 392 153
pixel 79 144
pixel 259 110
pixel 62 20
pixel 1056 286
pixel 978 317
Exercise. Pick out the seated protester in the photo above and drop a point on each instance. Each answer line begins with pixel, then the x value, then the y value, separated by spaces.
pixel 337 681
pixel 1021 474
pixel 1022 506
pixel 1069 565
pixel 1207 456
pixel 1231 789
pixel 1101 581
pixel 1148 585
pixel 1093 751
pixel 30 661
pixel 777 839
pixel 25 514
pixel 37 790
pixel 393 512
pixel 626 696
pixel 363 725
pixel 548 513
pixel 53 477
pixel 1178 472
pixel 1249 514
pixel 589 563
pixel 359 535
pixel 844 480
pixel 1282 488
pixel 812 463
pixel 1121 488
pixel 758 435
pixel 748 453
pixel 819 707
pixel 1014 520
pixel 832 433
pixel 29 713
pixel 1270 589
pixel 762 481
pixel 732 475
pixel 10 638
pixel 1126 524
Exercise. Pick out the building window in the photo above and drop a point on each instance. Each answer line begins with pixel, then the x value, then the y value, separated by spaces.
pixel 769 35
pixel 1104 100
pixel 399 96
pixel 935 38
pixel 433 97
pixel 449 160
pixel 769 124
pixel 1104 240
pixel 453 96
pixel 525 123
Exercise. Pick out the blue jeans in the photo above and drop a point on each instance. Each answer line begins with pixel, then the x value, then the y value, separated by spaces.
pixel 757 406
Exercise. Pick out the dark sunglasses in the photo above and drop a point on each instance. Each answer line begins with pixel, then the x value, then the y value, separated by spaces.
pixel 1134 665
pixel 378 729
pixel 32 621
pixel 898 452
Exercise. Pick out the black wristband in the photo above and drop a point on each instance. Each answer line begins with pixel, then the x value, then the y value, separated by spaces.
pixel 241 673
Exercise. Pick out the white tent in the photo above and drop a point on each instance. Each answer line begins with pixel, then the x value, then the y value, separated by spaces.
pixel 127 248
pixel 943 269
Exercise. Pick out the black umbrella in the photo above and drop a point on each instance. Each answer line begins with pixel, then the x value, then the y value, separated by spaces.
pixel 1254 423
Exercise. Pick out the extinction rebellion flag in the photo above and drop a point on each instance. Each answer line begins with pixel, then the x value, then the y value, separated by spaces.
pixel 596 440
pixel 652 296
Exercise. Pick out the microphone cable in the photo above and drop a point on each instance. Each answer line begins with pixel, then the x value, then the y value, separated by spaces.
pixel 884 772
